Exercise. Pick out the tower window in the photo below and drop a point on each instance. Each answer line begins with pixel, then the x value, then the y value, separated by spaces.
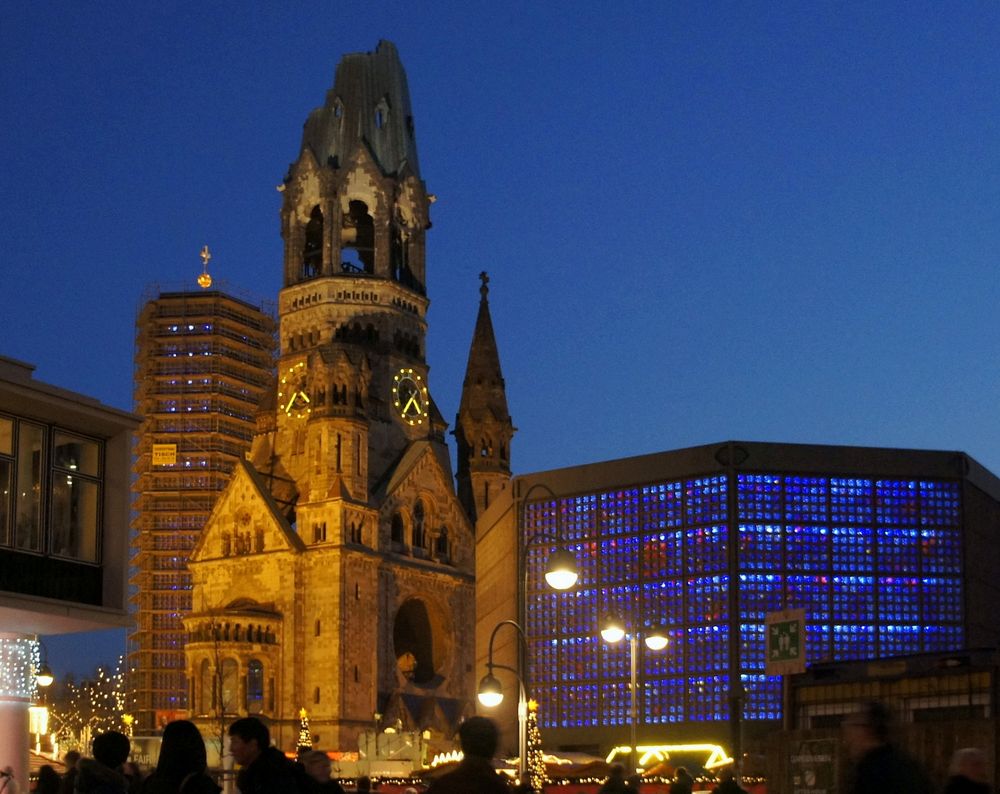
pixel 312 249
pixel 357 239
pixel 418 525
pixel 397 529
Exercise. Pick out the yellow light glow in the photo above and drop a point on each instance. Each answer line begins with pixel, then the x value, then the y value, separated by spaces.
pixel 659 753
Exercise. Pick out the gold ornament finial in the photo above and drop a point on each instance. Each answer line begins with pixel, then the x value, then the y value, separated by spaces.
pixel 303 713
pixel 205 280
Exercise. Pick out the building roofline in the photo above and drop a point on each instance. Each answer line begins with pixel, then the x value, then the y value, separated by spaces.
pixel 767 456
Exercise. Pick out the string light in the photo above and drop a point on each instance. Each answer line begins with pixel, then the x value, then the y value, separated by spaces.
pixel 19 658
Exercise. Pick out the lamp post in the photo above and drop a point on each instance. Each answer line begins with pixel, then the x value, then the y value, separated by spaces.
pixel 656 640
pixel 491 695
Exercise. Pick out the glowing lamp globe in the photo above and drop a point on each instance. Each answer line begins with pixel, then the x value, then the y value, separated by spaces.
pixel 490 691
pixel 560 571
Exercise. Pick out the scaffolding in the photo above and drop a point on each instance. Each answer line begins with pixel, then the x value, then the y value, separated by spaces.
pixel 202 365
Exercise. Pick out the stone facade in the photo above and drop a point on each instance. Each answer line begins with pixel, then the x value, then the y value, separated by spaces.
pixel 336 572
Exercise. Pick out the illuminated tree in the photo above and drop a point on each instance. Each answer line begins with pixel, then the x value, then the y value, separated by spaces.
pixel 305 736
pixel 536 760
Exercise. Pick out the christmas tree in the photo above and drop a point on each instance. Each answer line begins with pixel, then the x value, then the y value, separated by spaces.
pixel 536 761
pixel 305 736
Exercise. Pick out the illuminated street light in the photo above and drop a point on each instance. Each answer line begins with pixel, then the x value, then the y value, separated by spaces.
pixel 490 690
pixel 656 640
pixel 491 695
pixel 560 571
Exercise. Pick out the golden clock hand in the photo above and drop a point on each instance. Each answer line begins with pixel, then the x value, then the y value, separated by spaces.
pixel 412 401
pixel 304 396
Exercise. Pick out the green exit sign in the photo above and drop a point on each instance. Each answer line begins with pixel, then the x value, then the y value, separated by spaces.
pixel 786 642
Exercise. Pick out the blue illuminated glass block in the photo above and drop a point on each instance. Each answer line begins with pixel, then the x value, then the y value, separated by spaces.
pixel 759 497
pixel 806 499
pixel 665 699
pixel 760 593
pixel 705 500
pixel 898 640
pixel 707 599
pixel 663 601
pixel 811 592
pixel 580 517
pixel 898 598
pixel 618 512
pixel 664 506
pixel 853 641
pixel 944 637
pixel 761 547
pixel 807 548
pixel 615 702
pixel 853 549
pixel 706 649
pixel 941 551
pixel 706 549
pixel 853 599
pixel 707 698
pixel 897 550
pixel 588 556
pixel 942 599
pixel 897 503
pixel 940 504
pixel 851 500
pixel 752 646
pixel 619 559
pixel 663 555
pixel 577 615
pixel 762 696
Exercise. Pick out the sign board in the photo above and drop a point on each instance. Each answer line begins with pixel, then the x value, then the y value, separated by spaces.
pixel 812 767
pixel 164 454
pixel 785 642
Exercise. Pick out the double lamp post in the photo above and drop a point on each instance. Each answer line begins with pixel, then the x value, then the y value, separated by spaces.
pixel 560 574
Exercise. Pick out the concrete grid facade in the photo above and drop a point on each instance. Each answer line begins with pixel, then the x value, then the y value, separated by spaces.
pixel 890 552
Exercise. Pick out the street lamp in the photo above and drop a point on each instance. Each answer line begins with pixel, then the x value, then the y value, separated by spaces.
pixel 656 640
pixel 43 673
pixel 491 695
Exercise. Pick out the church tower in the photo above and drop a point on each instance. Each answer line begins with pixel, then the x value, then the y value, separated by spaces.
pixel 336 572
pixel 483 428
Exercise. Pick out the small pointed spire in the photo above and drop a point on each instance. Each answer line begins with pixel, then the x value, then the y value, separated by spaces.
pixel 483 428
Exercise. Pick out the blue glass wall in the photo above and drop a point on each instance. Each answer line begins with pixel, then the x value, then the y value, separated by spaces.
pixel 876 564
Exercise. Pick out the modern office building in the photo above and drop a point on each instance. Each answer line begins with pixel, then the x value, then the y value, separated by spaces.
pixel 64 472
pixel 889 552
pixel 203 360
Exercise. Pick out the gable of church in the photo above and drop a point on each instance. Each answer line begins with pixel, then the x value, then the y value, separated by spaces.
pixel 245 521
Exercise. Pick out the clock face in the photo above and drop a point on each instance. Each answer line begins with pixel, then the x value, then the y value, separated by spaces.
pixel 409 396
pixel 293 392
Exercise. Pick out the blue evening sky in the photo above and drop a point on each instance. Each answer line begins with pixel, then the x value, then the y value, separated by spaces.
pixel 768 221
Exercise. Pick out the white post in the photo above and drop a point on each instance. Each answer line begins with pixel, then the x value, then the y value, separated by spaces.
pixel 17 687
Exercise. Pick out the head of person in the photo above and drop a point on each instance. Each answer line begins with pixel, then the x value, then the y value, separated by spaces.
pixel 317 765
pixel 866 728
pixel 182 751
pixel 248 738
pixel 111 749
pixel 364 783
pixel 681 773
pixel 478 737
pixel 969 762
pixel 71 758
pixel 48 778
pixel 616 772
